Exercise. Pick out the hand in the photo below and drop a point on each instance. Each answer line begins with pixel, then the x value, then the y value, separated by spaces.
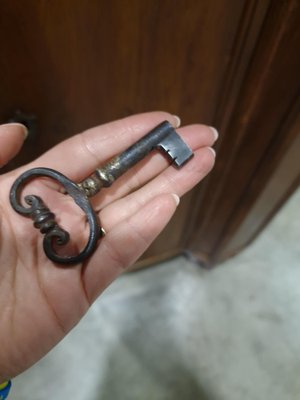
pixel 39 301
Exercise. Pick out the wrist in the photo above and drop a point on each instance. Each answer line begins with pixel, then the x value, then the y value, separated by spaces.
pixel 4 389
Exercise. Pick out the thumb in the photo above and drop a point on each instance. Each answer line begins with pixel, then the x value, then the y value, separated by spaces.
pixel 12 137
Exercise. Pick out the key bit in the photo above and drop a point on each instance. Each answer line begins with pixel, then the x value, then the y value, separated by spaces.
pixel 163 137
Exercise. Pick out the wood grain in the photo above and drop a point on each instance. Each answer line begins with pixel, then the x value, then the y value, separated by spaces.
pixel 231 64
pixel 256 137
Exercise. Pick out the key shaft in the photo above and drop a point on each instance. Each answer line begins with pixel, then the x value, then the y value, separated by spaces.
pixel 163 137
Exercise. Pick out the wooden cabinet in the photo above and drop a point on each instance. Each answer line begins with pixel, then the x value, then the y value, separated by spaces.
pixel 232 64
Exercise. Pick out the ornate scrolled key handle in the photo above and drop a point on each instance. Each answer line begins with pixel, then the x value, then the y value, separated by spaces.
pixel 162 137
pixel 44 219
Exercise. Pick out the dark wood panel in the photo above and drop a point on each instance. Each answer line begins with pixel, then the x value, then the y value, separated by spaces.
pixel 266 98
pixel 231 64
pixel 77 64
pixel 206 197
pixel 277 189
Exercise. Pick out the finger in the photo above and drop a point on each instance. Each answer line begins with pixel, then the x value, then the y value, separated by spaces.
pixel 12 137
pixel 170 181
pixel 195 136
pixel 80 155
pixel 125 243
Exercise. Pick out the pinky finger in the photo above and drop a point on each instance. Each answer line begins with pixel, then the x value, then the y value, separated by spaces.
pixel 126 242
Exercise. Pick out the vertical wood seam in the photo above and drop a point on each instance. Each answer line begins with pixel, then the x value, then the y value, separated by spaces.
pixel 233 66
pixel 292 109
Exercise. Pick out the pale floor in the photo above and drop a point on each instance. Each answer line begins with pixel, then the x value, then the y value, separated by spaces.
pixel 178 332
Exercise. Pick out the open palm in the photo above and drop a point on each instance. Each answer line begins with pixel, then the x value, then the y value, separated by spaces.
pixel 40 301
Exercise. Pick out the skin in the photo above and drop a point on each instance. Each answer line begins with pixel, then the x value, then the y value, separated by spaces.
pixel 41 302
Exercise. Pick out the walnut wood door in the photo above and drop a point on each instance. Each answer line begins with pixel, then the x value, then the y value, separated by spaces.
pixel 69 65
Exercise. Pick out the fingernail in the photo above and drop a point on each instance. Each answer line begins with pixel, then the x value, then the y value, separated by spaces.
pixel 176 198
pixel 17 124
pixel 212 150
pixel 177 121
pixel 215 132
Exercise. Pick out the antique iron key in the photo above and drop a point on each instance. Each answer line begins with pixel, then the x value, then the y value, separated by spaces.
pixel 163 137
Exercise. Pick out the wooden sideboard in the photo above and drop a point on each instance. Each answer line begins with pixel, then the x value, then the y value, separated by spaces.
pixel 234 64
